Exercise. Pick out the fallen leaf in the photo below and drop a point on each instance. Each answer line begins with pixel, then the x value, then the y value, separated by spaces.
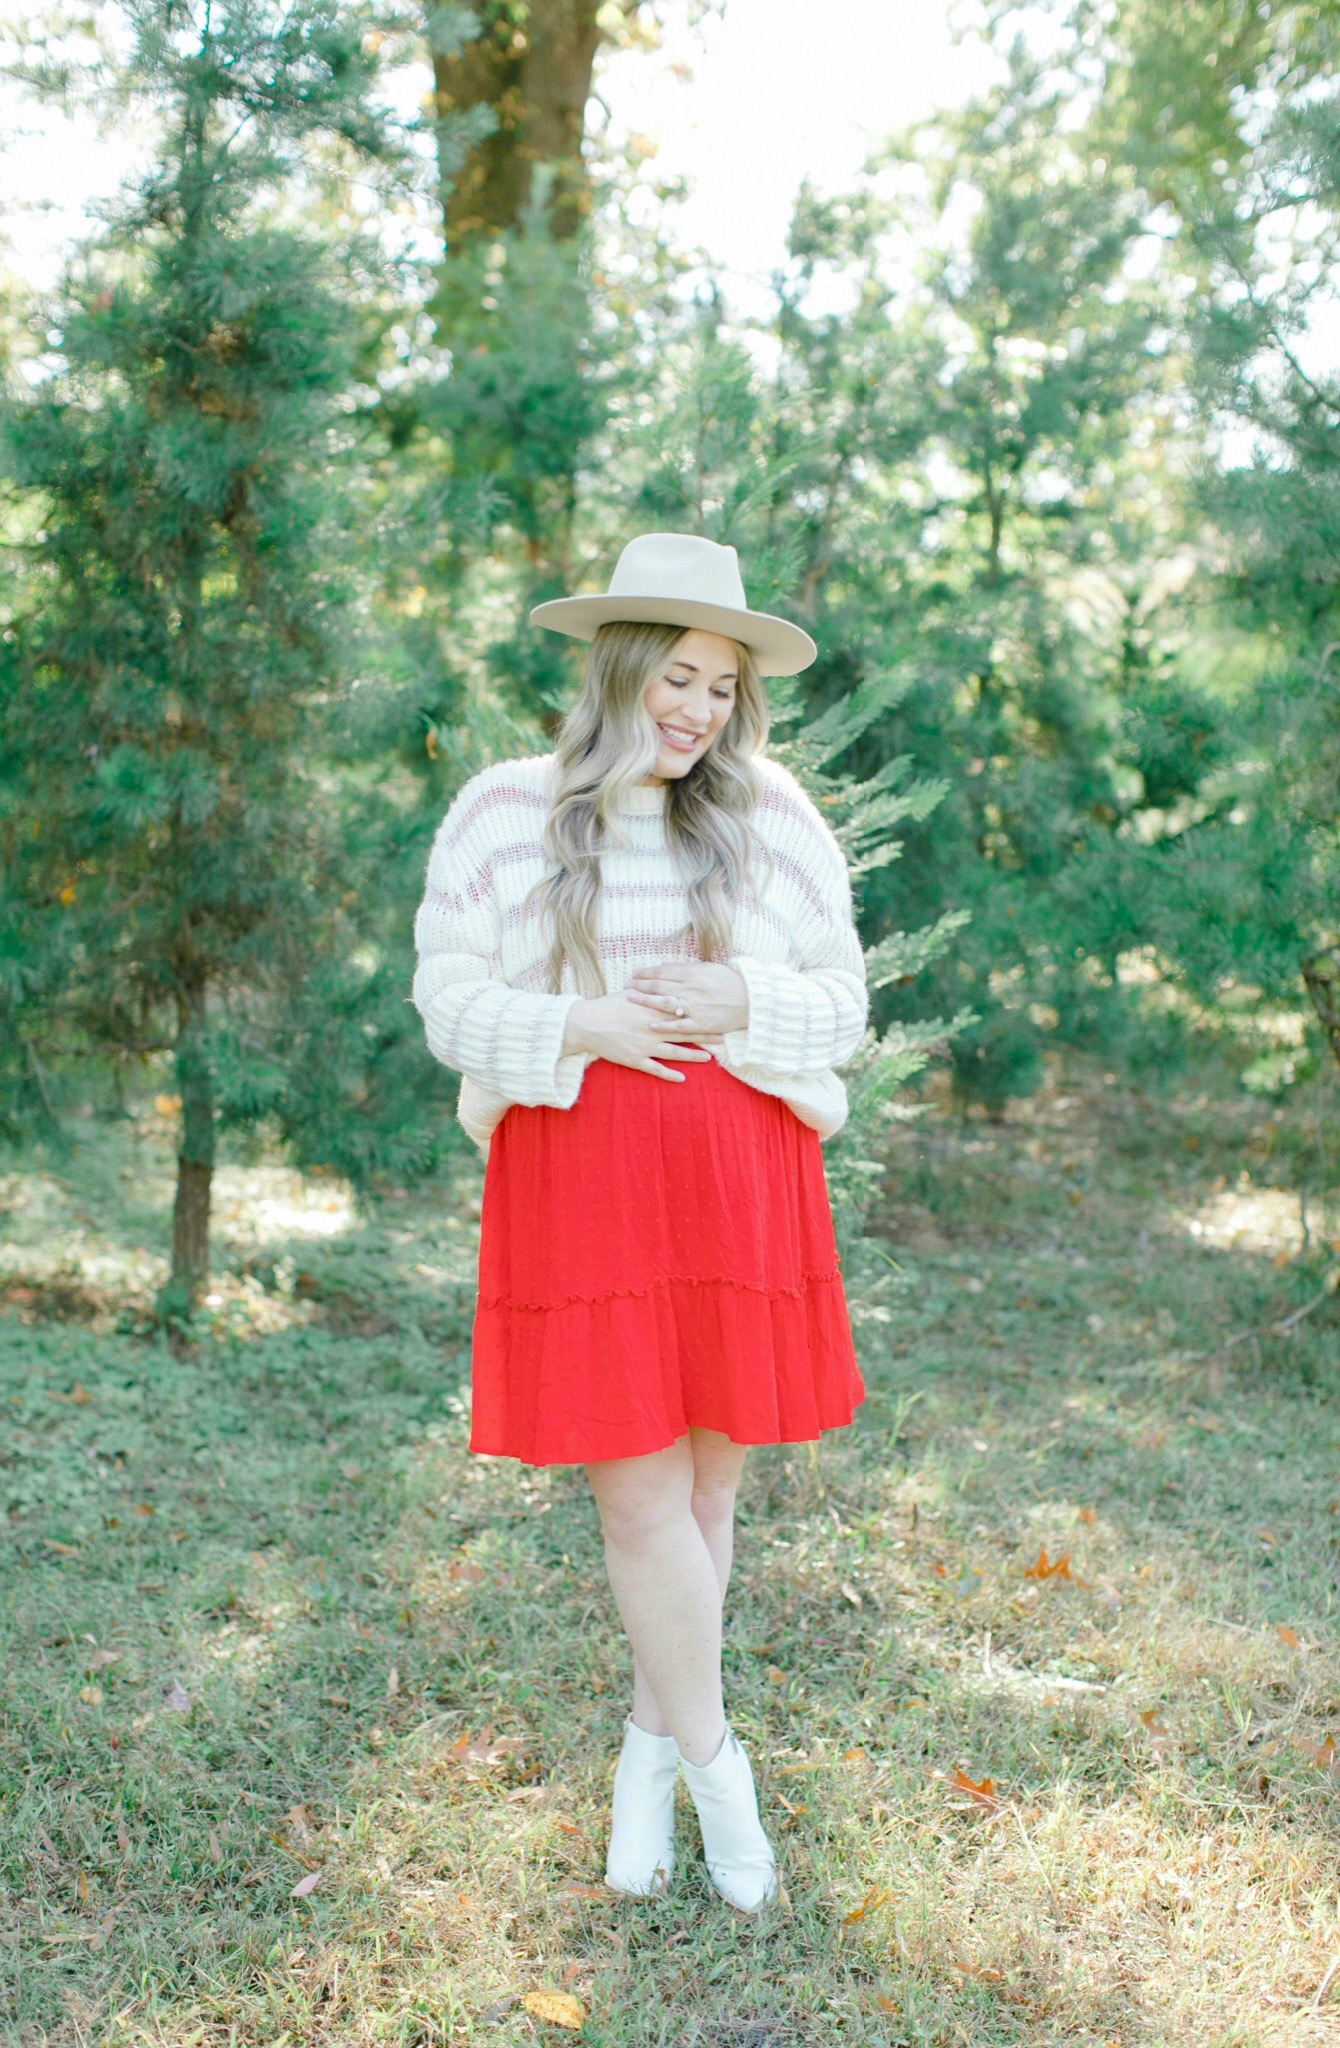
pixel 306 1884
pixel 465 1572
pixel 1088 1515
pixel 78 1394
pixel 122 1834
pixel 82 1888
pixel 144 1507
pixel 91 1695
pixel 215 1848
pixel 587 1891
pixel 983 1794
pixel 392 1682
pixel 1267 1536
pixel 102 1659
pixel 560 2008
pixel 777 1677
pixel 874 1897
pixel 61 1549
pixel 1045 1568
pixel 167 1105
pixel 982 1970
pixel 1288 1635
pixel 337 1699
pixel 886 2004
pixel 485 1748
pixel 1322 1754
pixel 178 1699
pixel 797 1810
pixel 850 1593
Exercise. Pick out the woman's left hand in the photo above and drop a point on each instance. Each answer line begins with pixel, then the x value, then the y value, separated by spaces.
pixel 704 997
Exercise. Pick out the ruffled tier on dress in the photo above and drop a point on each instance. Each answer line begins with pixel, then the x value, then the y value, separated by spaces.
pixel 658 1257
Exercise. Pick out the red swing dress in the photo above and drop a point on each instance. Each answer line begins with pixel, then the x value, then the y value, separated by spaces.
pixel 659 1256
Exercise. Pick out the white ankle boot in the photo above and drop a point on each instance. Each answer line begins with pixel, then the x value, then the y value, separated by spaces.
pixel 739 1856
pixel 642 1825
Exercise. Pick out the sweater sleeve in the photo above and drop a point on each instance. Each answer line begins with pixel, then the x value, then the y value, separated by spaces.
pixel 812 1015
pixel 504 1038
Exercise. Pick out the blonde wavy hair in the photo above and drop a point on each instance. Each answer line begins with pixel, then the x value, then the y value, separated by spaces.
pixel 608 744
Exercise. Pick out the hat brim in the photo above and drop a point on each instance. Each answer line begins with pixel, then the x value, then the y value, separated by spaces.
pixel 779 648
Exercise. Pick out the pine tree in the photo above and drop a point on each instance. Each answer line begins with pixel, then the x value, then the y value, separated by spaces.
pixel 172 872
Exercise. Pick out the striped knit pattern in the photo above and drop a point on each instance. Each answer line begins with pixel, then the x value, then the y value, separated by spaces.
pixel 481 984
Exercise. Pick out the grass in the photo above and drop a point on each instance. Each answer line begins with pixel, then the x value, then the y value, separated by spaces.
pixel 268 1621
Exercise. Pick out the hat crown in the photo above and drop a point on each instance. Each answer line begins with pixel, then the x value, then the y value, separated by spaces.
pixel 679 565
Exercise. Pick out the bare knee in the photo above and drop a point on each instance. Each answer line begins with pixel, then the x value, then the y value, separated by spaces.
pixel 717 1466
pixel 642 1501
pixel 713 1501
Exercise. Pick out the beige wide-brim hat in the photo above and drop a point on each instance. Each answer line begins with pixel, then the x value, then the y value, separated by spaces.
pixel 680 579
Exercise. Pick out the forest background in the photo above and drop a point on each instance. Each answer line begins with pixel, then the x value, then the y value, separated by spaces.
pixel 1035 428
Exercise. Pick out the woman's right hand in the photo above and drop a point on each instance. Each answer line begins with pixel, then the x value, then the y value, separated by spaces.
pixel 612 1028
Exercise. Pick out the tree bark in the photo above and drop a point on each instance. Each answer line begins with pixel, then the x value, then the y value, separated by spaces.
pixel 195 1156
pixel 533 67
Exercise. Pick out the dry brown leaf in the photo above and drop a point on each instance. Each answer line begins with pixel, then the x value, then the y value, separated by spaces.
pixel 144 1507
pixel 1288 1635
pixel 78 1393
pixel 1088 1515
pixel 983 1794
pixel 485 1748
pixel 1046 1568
pixel 392 1682
pixel 466 1572
pixel 1322 1754
pixel 887 2004
pixel 82 1888
pixel 306 1884
pixel 122 1835
pixel 60 1549
pixel 874 1897
pixel 101 1659
pixel 777 1677
pixel 560 2008
pixel 215 1848
pixel 587 1891
pixel 91 1695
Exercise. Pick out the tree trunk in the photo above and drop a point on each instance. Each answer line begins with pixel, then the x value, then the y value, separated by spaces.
pixel 195 1158
pixel 535 73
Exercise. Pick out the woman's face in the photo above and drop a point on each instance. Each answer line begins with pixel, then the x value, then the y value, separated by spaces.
pixel 691 696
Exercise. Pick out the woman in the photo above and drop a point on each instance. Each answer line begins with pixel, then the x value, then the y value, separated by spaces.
pixel 639 953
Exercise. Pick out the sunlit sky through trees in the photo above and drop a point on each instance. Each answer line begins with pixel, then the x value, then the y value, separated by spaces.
pixel 740 107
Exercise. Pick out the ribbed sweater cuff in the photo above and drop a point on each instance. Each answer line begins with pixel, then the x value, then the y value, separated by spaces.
pixel 776 1037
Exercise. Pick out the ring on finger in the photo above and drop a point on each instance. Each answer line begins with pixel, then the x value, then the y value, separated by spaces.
pixel 679 1009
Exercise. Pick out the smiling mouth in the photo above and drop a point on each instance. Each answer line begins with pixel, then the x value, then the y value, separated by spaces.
pixel 679 742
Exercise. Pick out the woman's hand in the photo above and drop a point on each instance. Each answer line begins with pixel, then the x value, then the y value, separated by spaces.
pixel 704 998
pixel 628 1033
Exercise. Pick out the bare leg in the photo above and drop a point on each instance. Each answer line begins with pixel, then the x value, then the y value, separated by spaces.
pixel 665 1585
pixel 717 1465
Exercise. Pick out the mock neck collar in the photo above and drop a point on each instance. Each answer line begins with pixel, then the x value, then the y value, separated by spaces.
pixel 643 799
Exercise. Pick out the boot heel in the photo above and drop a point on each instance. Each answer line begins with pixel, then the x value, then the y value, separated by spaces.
pixel 739 1857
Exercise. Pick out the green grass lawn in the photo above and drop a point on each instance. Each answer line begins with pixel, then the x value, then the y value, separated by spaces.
pixel 266 1621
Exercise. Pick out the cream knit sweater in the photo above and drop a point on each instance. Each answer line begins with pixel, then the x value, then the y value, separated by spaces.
pixel 481 984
